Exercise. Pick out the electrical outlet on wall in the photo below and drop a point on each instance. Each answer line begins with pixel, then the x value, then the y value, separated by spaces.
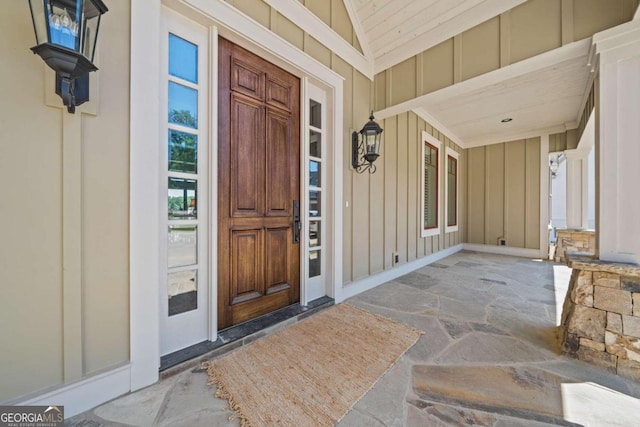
pixel 395 258
pixel 502 241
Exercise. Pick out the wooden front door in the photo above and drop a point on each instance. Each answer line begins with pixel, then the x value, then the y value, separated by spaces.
pixel 258 184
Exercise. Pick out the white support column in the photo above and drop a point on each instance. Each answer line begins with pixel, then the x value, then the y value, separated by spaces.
pixel 584 206
pixel 575 186
pixel 618 134
pixel 544 196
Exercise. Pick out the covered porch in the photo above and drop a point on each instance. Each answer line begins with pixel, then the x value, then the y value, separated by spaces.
pixel 489 355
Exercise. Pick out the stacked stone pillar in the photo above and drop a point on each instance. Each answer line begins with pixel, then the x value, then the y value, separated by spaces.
pixel 601 315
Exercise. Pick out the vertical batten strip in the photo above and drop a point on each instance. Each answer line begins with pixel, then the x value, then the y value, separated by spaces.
pixel 505 39
pixel 72 245
pixel 567 22
pixel 457 58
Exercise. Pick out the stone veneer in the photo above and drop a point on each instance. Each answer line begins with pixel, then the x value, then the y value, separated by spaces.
pixel 601 315
pixel 572 240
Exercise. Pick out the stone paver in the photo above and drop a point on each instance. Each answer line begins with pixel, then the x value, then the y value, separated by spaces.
pixel 489 357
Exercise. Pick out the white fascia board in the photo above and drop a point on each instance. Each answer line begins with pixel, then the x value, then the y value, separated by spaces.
pixel 357 27
pixel 314 26
pixel 450 24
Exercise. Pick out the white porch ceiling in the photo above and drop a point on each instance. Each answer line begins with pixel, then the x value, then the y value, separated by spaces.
pixel 547 99
pixel 541 94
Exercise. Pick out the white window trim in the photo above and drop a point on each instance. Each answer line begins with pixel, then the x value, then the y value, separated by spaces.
pixel 426 137
pixel 450 152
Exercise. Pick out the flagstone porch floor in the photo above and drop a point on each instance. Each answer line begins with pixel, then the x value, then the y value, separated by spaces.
pixel 489 356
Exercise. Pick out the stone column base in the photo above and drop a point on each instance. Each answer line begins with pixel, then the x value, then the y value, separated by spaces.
pixel 601 315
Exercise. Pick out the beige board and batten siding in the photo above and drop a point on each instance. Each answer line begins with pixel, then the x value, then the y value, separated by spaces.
pixel 64 311
pixel 395 199
pixel 503 194
pixel 529 29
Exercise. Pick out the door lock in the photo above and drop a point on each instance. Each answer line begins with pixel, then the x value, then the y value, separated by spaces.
pixel 297 225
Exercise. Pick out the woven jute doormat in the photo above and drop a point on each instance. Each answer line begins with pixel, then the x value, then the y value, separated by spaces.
pixel 312 373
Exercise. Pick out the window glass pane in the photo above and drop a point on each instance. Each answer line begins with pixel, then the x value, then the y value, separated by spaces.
pixel 183 59
pixel 183 243
pixel 182 198
pixel 451 192
pixel 315 114
pixel 315 140
pixel 314 263
pixel 314 233
pixel 314 174
pixel 451 202
pixel 314 203
pixel 430 195
pixel 183 152
pixel 183 291
pixel 183 105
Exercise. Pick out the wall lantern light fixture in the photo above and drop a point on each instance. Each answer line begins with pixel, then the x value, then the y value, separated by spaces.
pixel 368 149
pixel 66 36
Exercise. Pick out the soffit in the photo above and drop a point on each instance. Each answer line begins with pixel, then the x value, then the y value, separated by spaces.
pixel 544 100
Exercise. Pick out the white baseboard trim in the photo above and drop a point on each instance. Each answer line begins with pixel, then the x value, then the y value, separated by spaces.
pixel 86 394
pixel 354 288
pixel 503 250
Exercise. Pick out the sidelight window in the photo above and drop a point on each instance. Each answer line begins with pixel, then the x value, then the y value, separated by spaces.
pixel 183 176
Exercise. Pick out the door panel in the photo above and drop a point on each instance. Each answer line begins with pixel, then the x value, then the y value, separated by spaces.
pixel 277 259
pixel 246 78
pixel 278 174
pixel 258 181
pixel 246 278
pixel 247 168
pixel 279 94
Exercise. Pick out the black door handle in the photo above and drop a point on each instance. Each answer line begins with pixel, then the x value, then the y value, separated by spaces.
pixel 297 225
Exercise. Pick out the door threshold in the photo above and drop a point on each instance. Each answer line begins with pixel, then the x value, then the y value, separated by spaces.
pixel 239 335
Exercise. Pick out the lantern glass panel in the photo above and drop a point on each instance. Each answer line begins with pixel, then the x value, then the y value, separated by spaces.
pixel 90 27
pixel 39 21
pixel 370 142
pixel 64 23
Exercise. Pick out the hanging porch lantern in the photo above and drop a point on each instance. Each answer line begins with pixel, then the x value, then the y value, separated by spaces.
pixel 66 36
pixel 368 149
